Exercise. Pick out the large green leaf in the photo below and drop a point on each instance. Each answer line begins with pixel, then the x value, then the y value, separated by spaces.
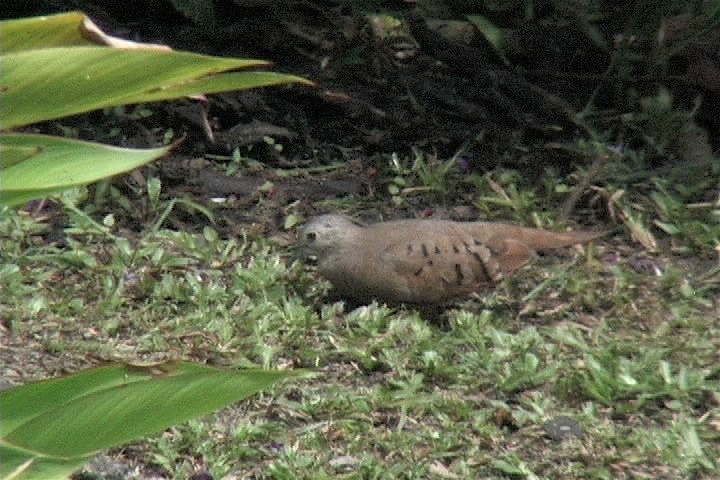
pixel 57 424
pixel 41 164
pixel 64 29
pixel 38 82
pixel 49 83
pixel 216 83
pixel 19 464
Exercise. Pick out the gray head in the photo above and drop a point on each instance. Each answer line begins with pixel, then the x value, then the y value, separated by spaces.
pixel 326 232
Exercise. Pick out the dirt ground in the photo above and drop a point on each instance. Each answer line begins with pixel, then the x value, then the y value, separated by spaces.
pixel 428 83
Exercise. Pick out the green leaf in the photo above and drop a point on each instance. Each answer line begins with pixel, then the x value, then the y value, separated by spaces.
pixel 13 154
pixel 39 83
pixel 42 32
pixel 73 417
pixel 218 83
pixel 53 164
pixel 16 464
pixel 49 83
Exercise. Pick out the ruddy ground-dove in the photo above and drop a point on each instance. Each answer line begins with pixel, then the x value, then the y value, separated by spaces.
pixel 422 261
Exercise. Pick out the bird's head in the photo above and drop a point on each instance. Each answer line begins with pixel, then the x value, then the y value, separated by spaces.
pixel 324 233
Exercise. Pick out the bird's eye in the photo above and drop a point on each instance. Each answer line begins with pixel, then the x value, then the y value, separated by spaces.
pixel 310 236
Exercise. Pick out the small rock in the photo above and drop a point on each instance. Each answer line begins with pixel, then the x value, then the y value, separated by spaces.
pixel 560 428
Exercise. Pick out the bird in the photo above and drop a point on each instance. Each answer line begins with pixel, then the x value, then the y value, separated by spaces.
pixel 422 261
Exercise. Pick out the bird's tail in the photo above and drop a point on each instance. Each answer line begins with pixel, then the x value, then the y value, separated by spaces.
pixel 539 239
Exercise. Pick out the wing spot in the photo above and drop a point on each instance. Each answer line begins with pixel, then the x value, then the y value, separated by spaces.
pixel 482 265
pixel 437 250
pixel 425 250
pixel 459 277
pixel 456 249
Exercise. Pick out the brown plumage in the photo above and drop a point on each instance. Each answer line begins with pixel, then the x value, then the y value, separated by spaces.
pixel 422 261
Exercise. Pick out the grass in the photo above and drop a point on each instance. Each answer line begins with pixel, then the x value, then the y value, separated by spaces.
pixel 630 356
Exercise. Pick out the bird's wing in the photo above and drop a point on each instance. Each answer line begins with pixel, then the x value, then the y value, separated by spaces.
pixel 435 268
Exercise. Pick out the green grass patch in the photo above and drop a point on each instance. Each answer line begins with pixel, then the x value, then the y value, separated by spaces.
pixel 629 355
